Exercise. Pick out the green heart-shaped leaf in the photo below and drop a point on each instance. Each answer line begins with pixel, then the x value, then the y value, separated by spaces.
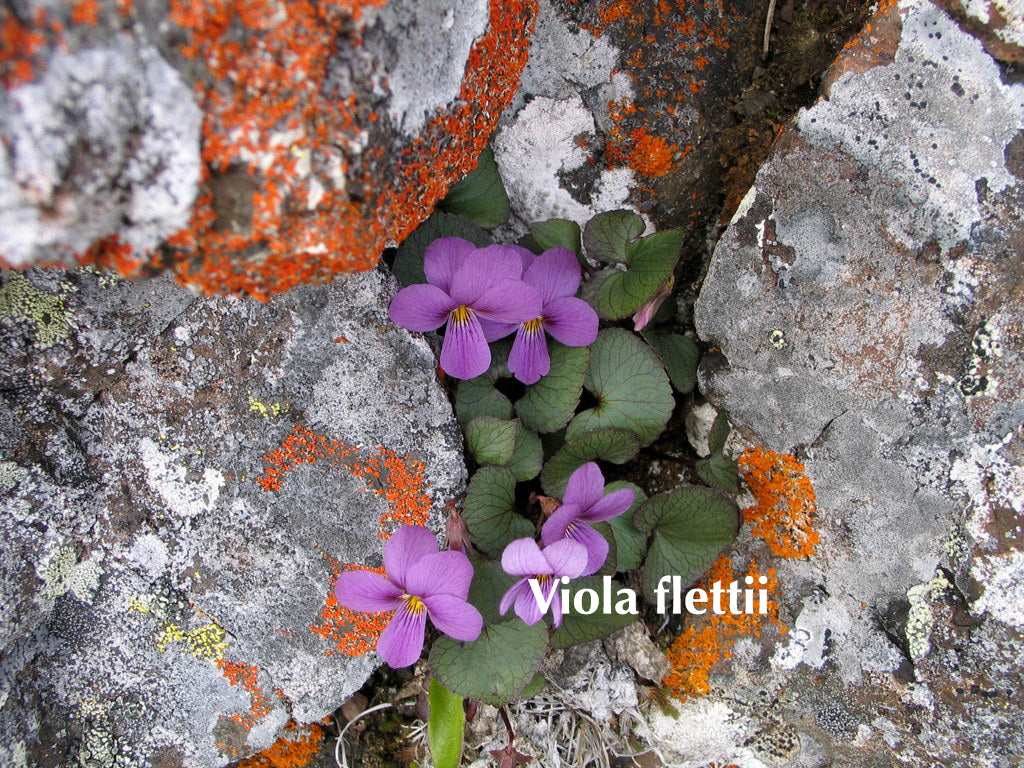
pixel 611 562
pixel 606 235
pixel 548 405
pixel 630 384
pixel 528 455
pixel 719 472
pixel 630 543
pixel 615 445
pixel 478 397
pixel 691 527
pixel 481 196
pixel 557 233
pixel 536 686
pixel 490 510
pixel 680 356
pixel 446 726
pixel 408 266
pixel 489 583
pixel 615 293
pixel 494 668
pixel 491 440
pixel 577 628
pixel 719 432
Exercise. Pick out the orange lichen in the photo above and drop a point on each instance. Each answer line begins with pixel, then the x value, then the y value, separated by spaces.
pixel 651 155
pixel 399 479
pixel 319 204
pixel 295 749
pixel 708 639
pixel 783 514
pixel 246 676
pixel 19 44
pixel 351 632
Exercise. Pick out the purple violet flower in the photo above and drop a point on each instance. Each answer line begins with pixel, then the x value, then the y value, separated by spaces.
pixel 556 275
pixel 464 285
pixel 584 502
pixel 420 582
pixel 523 557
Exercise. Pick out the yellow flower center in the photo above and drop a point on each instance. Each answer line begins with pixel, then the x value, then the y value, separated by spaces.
pixel 543 579
pixel 533 326
pixel 414 604
pixel 460 315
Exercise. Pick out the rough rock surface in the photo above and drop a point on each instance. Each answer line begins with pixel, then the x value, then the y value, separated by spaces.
pixel 181 480
pixel 247 146
pixel 619 106
pixel 866 303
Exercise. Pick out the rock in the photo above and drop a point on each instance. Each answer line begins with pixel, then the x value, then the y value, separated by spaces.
pixel 620 105
pixel 866 302
pixel 248 147
pixel 182 480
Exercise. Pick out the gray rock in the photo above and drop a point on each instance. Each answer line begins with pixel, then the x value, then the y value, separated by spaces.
pixel 866 301
pixel 164 592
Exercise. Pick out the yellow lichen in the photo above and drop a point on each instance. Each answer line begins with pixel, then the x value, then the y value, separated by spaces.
pixel 22 301
pixel 205 642
pixel 268 410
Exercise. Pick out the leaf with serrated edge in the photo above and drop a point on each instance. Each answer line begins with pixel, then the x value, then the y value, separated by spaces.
pixel 615 294
pixel 494 668
pixel 478 397
pixel 528 455
pixel 480 196
pixel 557 233
pixel 615 445
pixel 680 356
pixel 489 583
pixel 548 405
pixel 719 432
pixel 577 628
pixel 490 440
pixel 446 726
pixel 630 384
pixel 719 472
pixel 408 266
pixel 606 235
pixel 489 510
pixel 630 543
pixel 691 527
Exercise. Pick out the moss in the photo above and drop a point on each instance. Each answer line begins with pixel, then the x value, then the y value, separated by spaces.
pixel 20 301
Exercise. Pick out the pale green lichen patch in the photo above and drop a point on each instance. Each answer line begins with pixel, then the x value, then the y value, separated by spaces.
pixel 63 573
pixel 10 474
pixel 20 301
pixel 920 620
pixel 268 410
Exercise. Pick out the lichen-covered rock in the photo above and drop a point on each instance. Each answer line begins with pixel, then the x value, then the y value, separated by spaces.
pixel 181 481
pixel 620 104
pixel 248 146
pixel 865 311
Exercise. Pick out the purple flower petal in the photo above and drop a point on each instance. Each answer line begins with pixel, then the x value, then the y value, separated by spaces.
pixel 596 545
pixel 555 273
pixel 585 486
pixel 511 594
pixel 407 545
pixel 454 616
pixel 464 352
pixel 567 558
pixel 523 557
pixel 482 269
pixel 525 254
pixel 554 527
pixel 366 591
pixel 571 321
pixel 401 642
pixel 443 258
pixel 526 604
pixel 610 505
pixel 509 301
pixel 420 307
pixel 556 610
pixel 443 573
pixel 529 359
pixel 494 331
